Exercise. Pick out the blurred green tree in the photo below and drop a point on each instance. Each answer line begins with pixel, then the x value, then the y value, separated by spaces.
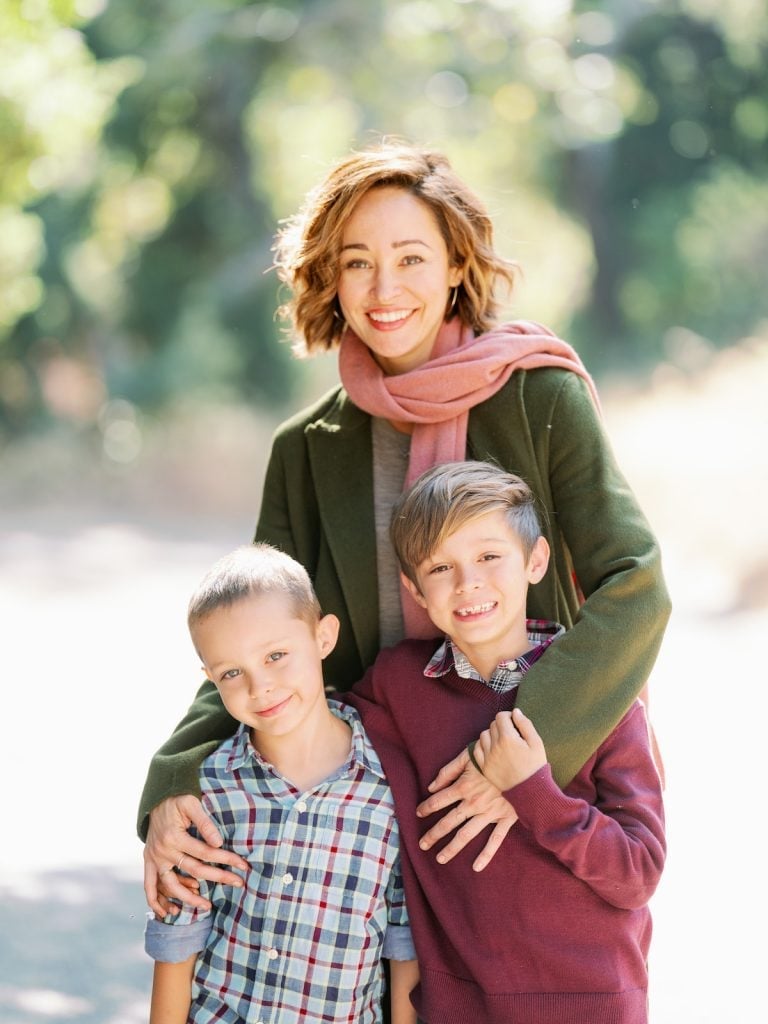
pixel 149 150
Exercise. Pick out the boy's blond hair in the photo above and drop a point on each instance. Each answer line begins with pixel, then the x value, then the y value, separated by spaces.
pixel 253 570
pixel 448 496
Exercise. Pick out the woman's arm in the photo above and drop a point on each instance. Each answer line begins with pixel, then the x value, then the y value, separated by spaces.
pixel 171 796
pixel 587 681
pixel 172 992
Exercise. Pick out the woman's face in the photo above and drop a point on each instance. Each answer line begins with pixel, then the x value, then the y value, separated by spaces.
pixel 394 277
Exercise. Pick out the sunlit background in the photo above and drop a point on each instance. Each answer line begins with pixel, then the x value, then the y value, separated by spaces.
pixel 147 153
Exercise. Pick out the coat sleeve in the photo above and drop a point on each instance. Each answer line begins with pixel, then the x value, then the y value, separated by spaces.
pixel 615 843
pixel 601 664
pixel 175 769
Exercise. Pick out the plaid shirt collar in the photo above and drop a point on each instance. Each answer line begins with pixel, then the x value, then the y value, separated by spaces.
pixel 361 754
pixel 507 673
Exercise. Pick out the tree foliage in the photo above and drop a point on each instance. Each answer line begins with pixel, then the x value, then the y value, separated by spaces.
pixel 150 149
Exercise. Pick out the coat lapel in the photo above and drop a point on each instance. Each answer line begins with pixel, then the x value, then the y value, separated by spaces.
pixel 341 461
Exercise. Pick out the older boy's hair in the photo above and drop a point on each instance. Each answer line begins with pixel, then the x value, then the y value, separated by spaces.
pixel 253 570
pixel 448 496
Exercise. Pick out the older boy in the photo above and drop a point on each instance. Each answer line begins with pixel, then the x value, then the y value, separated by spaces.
pixel 299 793
pixel 556 929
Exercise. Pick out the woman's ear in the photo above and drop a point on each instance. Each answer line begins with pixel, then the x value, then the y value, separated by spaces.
pixel 455 276
pixel 538 560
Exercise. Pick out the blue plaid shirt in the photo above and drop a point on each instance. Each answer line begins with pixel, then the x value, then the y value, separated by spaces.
pixel 323 899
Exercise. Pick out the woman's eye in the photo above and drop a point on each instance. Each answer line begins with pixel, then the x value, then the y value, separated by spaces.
pixel 356 264
pixel 411 260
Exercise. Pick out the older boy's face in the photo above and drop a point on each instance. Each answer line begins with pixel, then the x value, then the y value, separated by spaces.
pixel 474 588
pixel 266 662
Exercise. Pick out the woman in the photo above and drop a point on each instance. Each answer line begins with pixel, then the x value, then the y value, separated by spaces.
pixel 392 260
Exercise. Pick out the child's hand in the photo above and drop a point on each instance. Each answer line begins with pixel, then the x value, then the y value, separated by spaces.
pixel 511 750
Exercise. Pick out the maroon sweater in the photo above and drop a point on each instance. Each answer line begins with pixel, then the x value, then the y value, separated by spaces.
pixel 556 929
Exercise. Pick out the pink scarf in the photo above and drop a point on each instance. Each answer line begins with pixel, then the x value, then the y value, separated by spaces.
pixel 436 397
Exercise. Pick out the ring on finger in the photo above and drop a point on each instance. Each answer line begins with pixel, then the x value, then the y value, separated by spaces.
pixel 181 858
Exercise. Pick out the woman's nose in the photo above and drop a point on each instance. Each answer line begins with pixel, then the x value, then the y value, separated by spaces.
pixel 385 285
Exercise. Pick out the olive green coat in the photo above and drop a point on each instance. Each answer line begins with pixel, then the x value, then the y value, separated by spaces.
pixel 317 505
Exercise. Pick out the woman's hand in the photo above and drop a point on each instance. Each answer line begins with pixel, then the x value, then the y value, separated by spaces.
pixel 169 845
pixel 478 804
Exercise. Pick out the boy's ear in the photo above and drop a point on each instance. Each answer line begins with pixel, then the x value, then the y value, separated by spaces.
pixel 327 634
pixel 538 561
pixel 413 590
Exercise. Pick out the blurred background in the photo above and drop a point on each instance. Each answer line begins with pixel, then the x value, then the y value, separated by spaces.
pixel 147 153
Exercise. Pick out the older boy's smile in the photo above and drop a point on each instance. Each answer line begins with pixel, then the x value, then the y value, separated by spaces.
pixel 474 587
pixel 475 610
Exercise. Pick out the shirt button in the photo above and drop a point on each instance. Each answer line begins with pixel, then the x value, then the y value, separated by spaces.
pixel 301 807
pixel 287 878
pixel 272 954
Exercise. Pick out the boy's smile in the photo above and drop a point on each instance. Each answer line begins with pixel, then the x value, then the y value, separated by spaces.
pixel 474 588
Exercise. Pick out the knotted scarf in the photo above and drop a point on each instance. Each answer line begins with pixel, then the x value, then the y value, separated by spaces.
pixel 463 370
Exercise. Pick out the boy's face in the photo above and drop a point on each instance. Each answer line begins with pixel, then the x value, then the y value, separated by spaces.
pixel 266 662
pixel 474 588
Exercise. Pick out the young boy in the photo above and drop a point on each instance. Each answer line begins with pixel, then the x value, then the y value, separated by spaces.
pixel 556 929
pixel 300 794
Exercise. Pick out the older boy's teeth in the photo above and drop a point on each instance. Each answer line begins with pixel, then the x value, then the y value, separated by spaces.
pixel 390 317
pixel 476 609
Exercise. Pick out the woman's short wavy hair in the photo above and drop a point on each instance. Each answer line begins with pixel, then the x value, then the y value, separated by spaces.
pixel 308 245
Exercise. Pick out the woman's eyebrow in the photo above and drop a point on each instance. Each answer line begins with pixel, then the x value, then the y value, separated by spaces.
pixel 395 245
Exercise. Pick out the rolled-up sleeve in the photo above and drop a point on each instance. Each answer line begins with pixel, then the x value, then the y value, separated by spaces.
pixel 174 943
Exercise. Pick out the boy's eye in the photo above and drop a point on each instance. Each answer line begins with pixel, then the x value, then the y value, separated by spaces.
pixel 489 556
pixel 438 569
pixel 276 655
pixel 231 673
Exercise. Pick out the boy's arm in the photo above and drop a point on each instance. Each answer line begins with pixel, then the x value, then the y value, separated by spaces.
pixel 174 944
pixel 616 844
pixel 172 992
pixel 403 977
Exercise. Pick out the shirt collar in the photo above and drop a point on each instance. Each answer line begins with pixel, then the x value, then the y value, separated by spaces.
pixel 540 632
pixel 361 752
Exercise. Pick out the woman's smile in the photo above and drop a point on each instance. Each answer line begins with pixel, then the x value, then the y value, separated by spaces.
pixel 395 278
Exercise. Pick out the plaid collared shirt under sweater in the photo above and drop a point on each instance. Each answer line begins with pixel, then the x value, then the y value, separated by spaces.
pixel 303 940
pixel 507 674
